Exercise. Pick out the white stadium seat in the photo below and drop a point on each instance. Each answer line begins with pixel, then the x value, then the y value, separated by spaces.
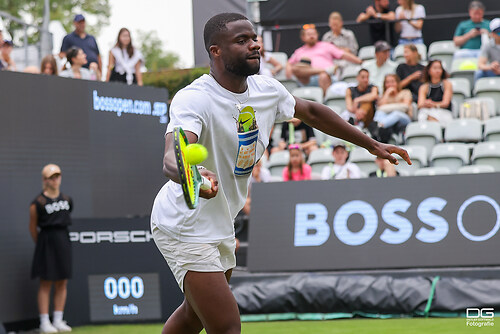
pixel 450 155
pixel 277 162
pixel 431 171
pixel 320 158
pixel 487 153
pixel 425 134
pixel 489 87
pixel 366 52
pixel 442 50
pixel 282 58
pixel 461 89
pixel 465 130
pixel 492 129
pixel 363 159
pixel 350 73
pixel 476 169
pixel 309 93
pixel 464 68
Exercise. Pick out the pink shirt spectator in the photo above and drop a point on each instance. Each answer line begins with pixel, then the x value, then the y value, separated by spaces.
pixel 321 54
pixel 297 176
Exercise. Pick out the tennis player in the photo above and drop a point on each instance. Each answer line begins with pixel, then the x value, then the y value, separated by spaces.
pixel 230 111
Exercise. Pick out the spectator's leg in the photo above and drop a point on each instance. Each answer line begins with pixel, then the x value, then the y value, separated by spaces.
pixel 324 81
pixel 44 296
pixel 61 291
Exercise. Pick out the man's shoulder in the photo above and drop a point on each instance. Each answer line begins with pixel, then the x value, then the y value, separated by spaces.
pixel 347 32
pixel 199 89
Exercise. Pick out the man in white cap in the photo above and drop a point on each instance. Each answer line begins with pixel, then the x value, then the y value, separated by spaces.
pixel 489 58
pixel 49 221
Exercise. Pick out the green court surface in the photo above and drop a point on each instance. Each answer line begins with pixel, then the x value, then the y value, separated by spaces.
pixel 350 326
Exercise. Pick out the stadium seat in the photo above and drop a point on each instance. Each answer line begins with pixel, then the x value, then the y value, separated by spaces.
pixel 492 129
pixel 442 50
pixel 431 171
pixel 363 159
pixel 476 169
pixel 450 155
pixel 467 130
pixel 282 58
pixel 461 90
pixel 325 140
pixel 490 102
pixel 320 158
pixel 309 93
pixel 276 135
pixel 366 52
pixel 350 73
pixel 275 178
pixel 464 68
pixel 335 101
pixel 290 84
pixel 487 153
pixel 418 156
pixel 277 162
pixel 399 52
pixel 425 134
pixel 489 87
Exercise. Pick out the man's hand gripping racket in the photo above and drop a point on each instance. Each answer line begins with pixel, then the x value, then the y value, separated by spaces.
pixel 190 178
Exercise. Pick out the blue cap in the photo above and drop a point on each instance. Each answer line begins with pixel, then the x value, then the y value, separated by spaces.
pixel 79 17
pixel 6 41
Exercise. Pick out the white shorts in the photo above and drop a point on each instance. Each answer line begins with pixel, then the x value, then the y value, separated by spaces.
pixel 182 257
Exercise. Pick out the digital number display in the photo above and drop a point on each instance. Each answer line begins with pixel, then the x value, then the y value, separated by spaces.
pixel 126 297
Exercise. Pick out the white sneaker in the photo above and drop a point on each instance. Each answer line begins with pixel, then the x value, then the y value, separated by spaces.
pixel 47 327
pixel 62 326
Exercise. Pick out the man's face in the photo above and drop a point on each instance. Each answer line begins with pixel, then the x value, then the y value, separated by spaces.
pixel 79 26
pixel 363 78
pixel 340 155
pixel 476 15
pixel 310 36
pixel 239 49
pixel 383 3
pixel 335 24
pixel 382 56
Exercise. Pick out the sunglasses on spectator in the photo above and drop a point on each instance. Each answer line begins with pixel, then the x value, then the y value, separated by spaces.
pixel 294 147
pixel 308 26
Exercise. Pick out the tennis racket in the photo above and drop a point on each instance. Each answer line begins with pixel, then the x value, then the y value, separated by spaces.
pixel 190 178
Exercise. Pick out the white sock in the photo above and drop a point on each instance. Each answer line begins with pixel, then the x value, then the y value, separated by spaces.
pixel 44 318
pixel 58 316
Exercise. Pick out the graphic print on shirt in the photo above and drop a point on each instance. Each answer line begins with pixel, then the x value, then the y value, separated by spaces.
pixel 248 133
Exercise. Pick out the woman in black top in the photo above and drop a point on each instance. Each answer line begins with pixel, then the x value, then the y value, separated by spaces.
pixel 411 71
pixel 434 96
pixel 49 221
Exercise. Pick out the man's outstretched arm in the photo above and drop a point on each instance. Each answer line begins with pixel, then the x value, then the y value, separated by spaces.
pixel 324 119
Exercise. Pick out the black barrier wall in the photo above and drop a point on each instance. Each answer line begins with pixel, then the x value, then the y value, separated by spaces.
pixel 405 222
pixel 108 140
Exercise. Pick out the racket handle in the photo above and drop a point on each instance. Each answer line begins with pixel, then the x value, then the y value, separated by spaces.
pixel 206 184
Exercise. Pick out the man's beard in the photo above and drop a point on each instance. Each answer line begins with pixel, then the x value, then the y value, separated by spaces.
pixel 242 68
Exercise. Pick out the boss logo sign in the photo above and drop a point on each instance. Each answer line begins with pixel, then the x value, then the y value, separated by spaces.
pixel 312 228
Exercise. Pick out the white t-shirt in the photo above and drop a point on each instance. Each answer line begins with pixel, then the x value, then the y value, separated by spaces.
pixel 407 30
pixel 210 111
pixel 348 170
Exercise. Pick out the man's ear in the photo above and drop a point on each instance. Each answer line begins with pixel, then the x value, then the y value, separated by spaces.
pixel 214 50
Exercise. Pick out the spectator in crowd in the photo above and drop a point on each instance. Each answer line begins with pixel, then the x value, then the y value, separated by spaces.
pixel 125 60
pixel 1 44
pixel 268 65
pixel 312 63
pixel 297 132
pixel 342 38
pixel 382 11
pixel 84 41
pixel 49 65
pixel 260 173
pixel 360 100
pixel 434 96
pixel 468 33
pixel 410 72
pixel 297 169
pixel 381 65
pixel 410 31
pixel 7 62
pixel 77 58
pixel 49 221
pixel 393 109
pixel 489 59
pixel 384 169
pixel 341 168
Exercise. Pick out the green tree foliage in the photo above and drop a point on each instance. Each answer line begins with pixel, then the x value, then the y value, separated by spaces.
pixel 61 10
pixel 155 57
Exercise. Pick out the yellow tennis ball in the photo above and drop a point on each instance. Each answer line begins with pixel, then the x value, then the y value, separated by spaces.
pixel 468 65
pixel 195 154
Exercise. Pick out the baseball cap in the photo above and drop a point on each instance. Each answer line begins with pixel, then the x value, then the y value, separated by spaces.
pixel 79 17
pixel 476 5
pixel 8 42
pixel 495 25
pixel 50 170
pixel 382 46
